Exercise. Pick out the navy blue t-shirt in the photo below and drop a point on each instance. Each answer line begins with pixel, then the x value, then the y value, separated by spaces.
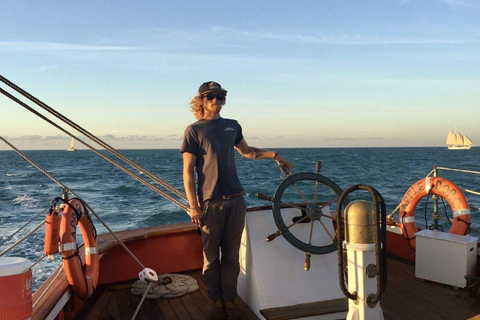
pixel 213 141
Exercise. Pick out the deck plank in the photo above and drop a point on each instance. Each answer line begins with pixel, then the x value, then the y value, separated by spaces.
pixel 166 309
pixel 143 313
pixel 127 309
pixel 193 309
pixel 179 309
pixel 247 313
pixel 101 304
pixel 152 309
pixel 113 309
pixel 201 303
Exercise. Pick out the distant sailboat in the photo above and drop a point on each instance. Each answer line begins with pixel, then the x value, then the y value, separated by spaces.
pixel 458 141
pixel 72 147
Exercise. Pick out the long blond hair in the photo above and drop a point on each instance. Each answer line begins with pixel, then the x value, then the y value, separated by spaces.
pixel 196 106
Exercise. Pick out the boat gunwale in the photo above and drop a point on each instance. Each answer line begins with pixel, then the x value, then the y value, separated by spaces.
pixel 46 297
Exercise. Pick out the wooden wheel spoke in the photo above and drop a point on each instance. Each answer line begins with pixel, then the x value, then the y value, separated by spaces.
pixel 326 230
pixel 311 233
pixel 291 205
pixel 300 193
pixel 297 222
pixel 328 217
pixel 316 191
pixel 329 202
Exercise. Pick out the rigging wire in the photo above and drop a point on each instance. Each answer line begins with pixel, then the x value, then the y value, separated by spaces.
pixel 108 148
pixel 22 239
pixel 73 193
pixel 60 271
pixel 22 227
pixel 118 165
pixel 93 138
pixel 38 260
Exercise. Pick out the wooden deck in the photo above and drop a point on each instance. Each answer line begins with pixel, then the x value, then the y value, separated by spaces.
pixel 405 297
pixel 116 302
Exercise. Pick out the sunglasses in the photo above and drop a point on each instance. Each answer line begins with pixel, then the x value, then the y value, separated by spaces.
pixel 211 96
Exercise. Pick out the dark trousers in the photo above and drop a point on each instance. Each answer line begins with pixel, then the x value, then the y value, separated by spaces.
pixel 223 222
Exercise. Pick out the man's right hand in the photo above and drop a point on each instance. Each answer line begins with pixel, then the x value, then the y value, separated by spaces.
pixel 196 216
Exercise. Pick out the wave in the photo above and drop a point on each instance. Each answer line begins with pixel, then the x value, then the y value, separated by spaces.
pixel 24 200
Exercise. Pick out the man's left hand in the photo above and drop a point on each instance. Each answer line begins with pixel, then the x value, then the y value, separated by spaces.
pixel 284 165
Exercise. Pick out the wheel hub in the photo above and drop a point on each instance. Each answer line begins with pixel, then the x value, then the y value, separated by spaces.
pixel 314 212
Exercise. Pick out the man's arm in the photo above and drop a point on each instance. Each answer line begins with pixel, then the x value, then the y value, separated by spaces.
pixel 255 153
pixel 190 189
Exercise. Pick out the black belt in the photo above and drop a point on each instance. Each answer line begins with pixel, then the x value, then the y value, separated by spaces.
pixel 230 196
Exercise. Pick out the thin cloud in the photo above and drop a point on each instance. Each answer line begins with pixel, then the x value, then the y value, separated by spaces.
pixel 231 36
pixel 342 139
pixel 44 68
pixel 188 39
pixel 463 4
pixel 53 46
pixel 133 137
pixel 174 137
pixel 354 39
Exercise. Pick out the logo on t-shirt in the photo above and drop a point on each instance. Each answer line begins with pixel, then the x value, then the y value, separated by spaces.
pixel 229 129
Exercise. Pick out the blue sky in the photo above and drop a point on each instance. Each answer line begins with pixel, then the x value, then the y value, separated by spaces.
pixel 299 73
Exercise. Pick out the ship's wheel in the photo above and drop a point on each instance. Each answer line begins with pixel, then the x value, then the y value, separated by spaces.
pixel 302 206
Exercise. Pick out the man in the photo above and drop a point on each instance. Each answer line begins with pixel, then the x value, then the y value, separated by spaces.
pixel 217 206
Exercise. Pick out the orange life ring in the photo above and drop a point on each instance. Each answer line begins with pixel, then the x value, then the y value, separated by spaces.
pixel 83 279
pixel 441 187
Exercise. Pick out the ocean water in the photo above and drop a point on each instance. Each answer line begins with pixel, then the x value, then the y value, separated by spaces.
pixel 124 203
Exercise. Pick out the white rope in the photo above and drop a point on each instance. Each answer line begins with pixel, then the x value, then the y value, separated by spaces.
pixel 472 192
pixel 141 301
pixel 167 286
pixel 458 170
pixel 59 270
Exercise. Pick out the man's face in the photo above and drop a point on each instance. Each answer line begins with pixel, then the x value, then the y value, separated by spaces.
pixel 213 102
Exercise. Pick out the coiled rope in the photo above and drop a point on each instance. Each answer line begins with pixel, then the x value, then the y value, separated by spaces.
pixel 167 286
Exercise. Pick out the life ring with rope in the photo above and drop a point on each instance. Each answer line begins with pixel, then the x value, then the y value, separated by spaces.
pixel 443 188
pixel 82 277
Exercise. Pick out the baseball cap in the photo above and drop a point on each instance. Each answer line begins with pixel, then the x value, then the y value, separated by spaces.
pixel 210 86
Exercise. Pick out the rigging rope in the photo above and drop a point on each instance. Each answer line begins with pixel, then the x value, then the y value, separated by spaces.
pixel 109 149
pixel 22 239
pixel 118 165
pixel 77 196
pixel 92 137
pixel 22 227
